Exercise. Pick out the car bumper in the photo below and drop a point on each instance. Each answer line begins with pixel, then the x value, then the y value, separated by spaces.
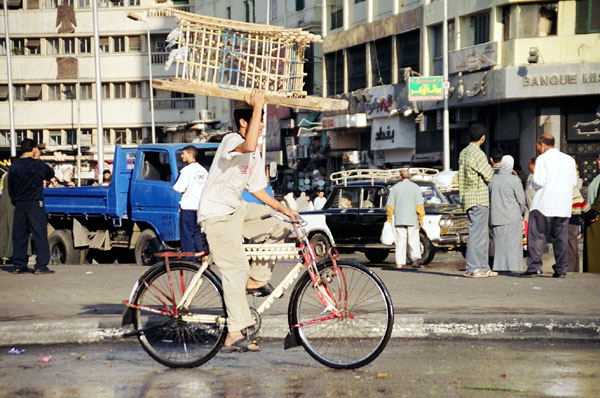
pixel 452 240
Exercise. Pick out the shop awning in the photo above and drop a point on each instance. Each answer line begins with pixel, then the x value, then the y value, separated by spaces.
pixel 33 92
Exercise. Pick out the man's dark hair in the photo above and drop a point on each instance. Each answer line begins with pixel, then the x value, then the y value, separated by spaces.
pixel 532 160
pixel 497 154
pixel 476 131
pixel 106 171
pixel 192 150
pixel 243 113
pixel 27 145
pixel 546 139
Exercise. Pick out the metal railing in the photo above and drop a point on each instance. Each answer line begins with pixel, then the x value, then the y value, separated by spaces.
pixel 175 103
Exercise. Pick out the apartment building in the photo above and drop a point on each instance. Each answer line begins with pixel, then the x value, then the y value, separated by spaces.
pixel 54 82
pixel 522 68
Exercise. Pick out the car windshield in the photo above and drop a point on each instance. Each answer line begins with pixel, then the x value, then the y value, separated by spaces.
pixel 432 195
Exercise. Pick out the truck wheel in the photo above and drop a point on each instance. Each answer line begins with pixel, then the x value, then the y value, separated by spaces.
pixel 62 250
pixel 146 246
pixel 321 245
pixel 427 249
pixel 377 256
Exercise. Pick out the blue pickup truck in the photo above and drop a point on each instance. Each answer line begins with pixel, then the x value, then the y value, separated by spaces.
pixel 136 214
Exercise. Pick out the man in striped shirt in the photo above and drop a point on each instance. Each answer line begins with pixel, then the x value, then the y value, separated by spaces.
pixel 474 175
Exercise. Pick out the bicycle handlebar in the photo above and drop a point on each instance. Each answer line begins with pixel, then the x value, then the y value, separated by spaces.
pixel 283 218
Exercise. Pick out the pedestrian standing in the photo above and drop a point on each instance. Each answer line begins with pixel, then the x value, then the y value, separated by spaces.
pixel 226 219
pixel 7 212
pixel 529 191
pixel 581 211
pixel 591 241
pixel 507 205
pixel 404 207
pixel 26 188
pixel 320 200
pixel 474 175
pixel 554 179
pixel 190 183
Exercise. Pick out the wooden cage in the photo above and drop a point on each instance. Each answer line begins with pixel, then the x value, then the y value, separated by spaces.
pixel 224 58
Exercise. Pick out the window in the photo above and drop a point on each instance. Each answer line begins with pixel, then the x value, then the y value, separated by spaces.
pixel 357 68
pixel 119 90
pixel 19 90
pixel 372 198
pixel 334 63
pixel 156 167
pixel 587 16
pixel 480 25
pixel 407 50
pixel 53 92
pixel 2 47
pixel 18 46
pixel 83 3
pixel 34 92
pixel 55 137
pixel 51 4
pixel 347 198
pixel 337 16
pixel 119 44
pixel 136 136
pixel 120 137
pixel 249 10
pixel 105 91
pixel 3 93
pixel 134 2
pixel 85 45
pixel 33 4
pixel 85 137
pixel 381 59
pixel 135 90
pixel 106 136
pixel 69 91
pixel 519 20
pixel 71 137
pixel 21 135
pixel 273 9
pixel 103 44
pixel 37 136
pixel 69 46
pixel 438 43
pixel 299 5
pixel 135 44
pixel 228 12
pixel 117 3
pixel 33 46
pixel 52 46
pixel 85 91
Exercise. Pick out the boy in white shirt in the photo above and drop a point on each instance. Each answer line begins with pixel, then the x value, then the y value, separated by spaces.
pixel 190 183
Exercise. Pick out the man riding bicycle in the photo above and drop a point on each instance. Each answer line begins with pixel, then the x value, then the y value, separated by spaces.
pixel 226 219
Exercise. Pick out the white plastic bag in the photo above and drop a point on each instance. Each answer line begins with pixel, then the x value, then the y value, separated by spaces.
pixel 388 235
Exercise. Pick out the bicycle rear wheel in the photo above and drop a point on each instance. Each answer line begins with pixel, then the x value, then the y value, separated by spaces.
pixel 354 339
pixel 180 339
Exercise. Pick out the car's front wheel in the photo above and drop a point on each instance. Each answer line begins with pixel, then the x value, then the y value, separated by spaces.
pixel 321 245
pixel 427 249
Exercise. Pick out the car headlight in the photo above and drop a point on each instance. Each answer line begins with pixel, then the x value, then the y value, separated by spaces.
pixel 445 224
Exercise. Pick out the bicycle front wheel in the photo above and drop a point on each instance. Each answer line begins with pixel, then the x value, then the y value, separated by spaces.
pixel 360 333
pixel 180 338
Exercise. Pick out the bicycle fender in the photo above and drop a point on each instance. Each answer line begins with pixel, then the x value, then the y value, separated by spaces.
pixel 128 313
pixel 290 341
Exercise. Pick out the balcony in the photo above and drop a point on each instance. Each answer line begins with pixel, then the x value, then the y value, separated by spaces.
pixel 176 103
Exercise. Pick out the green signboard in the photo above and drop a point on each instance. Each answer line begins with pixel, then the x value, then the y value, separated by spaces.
pixel 425 88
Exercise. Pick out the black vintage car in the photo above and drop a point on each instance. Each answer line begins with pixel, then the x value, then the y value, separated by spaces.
pixel 353 217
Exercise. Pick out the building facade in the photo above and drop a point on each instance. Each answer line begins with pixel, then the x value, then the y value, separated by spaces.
pixel 54 82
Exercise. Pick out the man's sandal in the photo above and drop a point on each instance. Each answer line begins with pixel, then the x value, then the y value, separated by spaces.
pixel 242 345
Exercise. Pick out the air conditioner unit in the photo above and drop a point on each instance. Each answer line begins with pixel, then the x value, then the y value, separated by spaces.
pixel 466 114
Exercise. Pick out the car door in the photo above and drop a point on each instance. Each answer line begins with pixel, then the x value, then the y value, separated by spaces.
pixel 372 213
pixel 342 214
pixel 153 199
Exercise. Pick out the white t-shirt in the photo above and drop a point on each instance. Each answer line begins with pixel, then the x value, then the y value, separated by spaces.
pixel 190 183
pixel 230 173
pixel 553 179
pixel 320 202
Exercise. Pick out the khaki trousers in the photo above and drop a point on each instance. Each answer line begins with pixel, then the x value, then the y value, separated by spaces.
pixel 224 235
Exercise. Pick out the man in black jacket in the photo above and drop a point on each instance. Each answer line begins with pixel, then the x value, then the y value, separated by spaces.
pixel 26 189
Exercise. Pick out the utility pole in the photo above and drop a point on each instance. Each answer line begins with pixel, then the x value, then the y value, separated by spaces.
pixel 99 129
pixel 11 114
pixel 445 83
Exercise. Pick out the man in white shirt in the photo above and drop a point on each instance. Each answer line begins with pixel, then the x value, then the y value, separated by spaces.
pixel 320 200
pixel 190 183
pixel 553 180
pixel 226 218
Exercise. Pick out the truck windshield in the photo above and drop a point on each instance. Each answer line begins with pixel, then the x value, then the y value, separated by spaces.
pixel 205 157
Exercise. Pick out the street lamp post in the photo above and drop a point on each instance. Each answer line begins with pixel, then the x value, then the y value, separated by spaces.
pixel 133 16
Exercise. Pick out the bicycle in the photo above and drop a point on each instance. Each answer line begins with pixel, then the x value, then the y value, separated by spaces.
pixel 339 311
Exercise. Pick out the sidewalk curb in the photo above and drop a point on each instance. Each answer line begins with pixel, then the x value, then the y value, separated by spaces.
pixel 95 329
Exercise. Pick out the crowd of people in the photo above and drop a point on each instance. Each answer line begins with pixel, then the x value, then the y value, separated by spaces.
pixel 550 206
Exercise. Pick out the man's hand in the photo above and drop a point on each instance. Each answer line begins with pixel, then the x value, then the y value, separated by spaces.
pixel 289 212
pixel 256 99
